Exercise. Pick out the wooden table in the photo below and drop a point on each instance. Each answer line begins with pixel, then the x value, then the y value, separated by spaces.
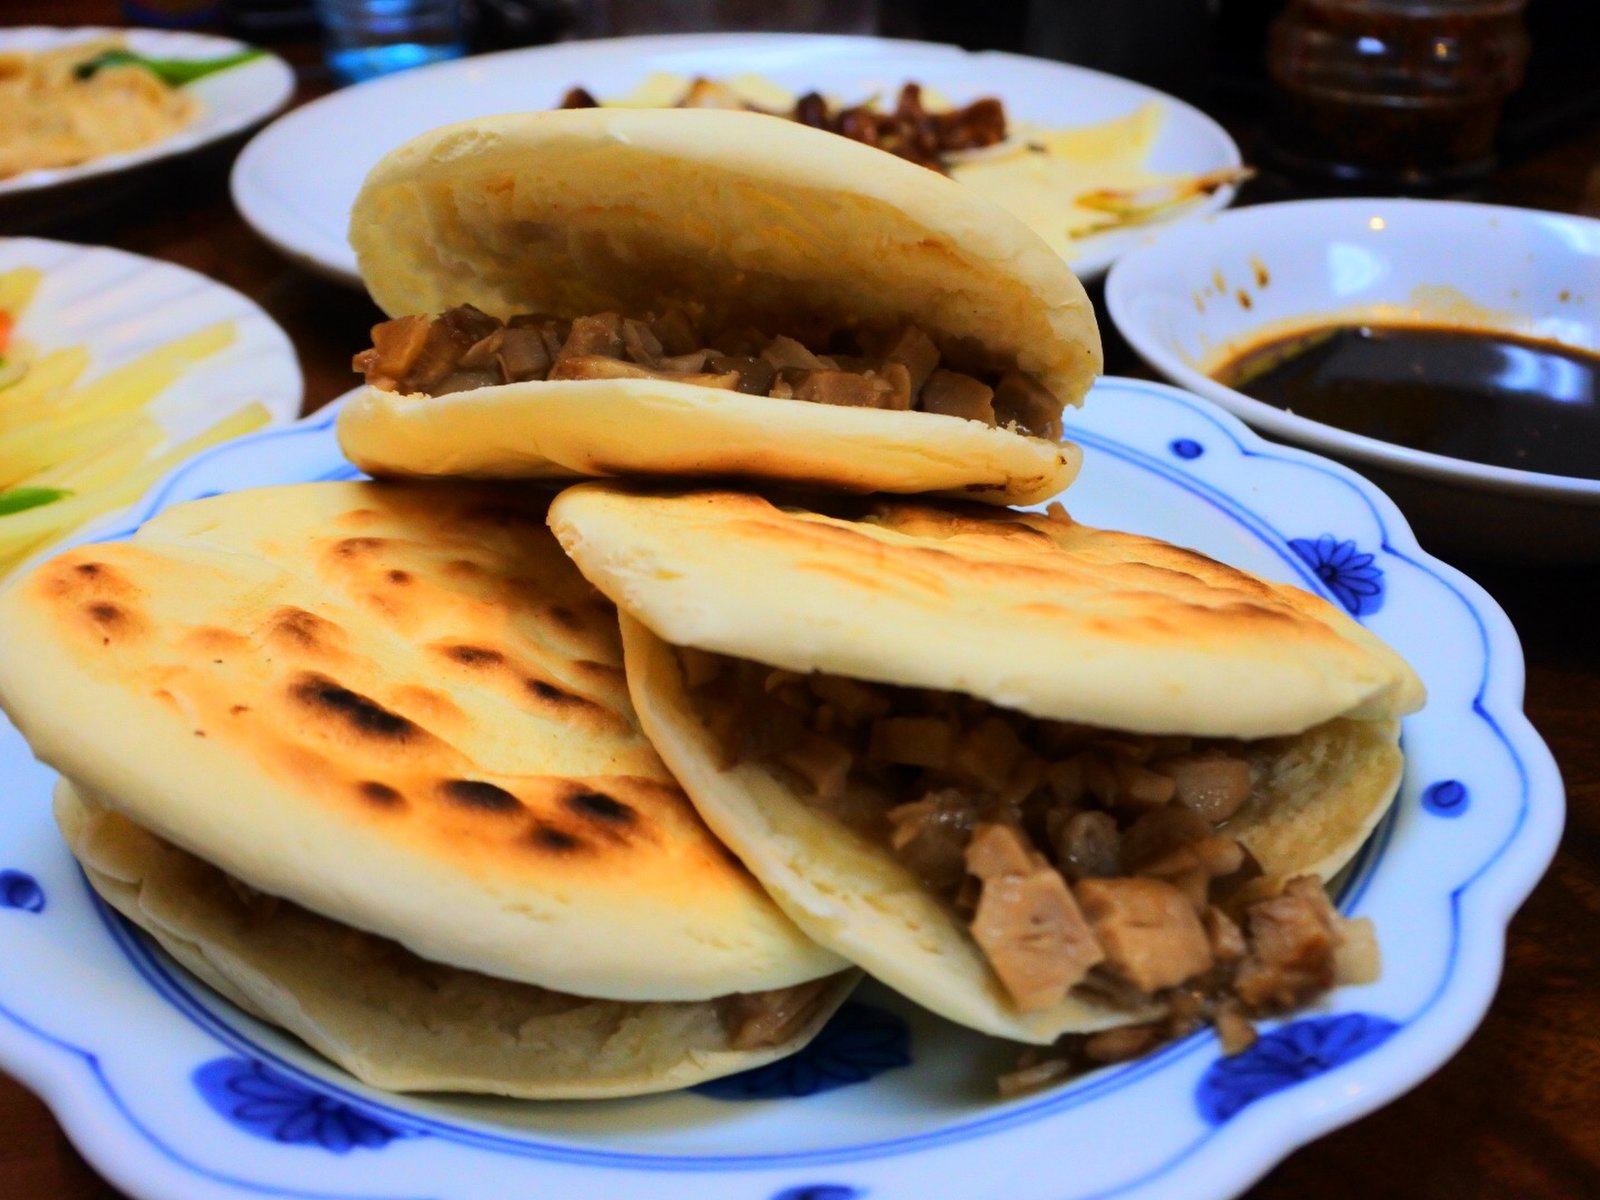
pixel 1516 1114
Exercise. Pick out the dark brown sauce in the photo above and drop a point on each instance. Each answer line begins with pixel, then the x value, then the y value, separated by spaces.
pixel 1481 395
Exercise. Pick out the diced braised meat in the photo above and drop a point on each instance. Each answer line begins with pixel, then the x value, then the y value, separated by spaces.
pixel 811 109
pixel 577 97
pixel 930 837
pixel 914 350
pixel 843 388
pixel 1122 1043
pixel 1089 846
pixel 757 1019
pixel 952 394
pixel 1214 785
pixel 464 348
pixel 1234 1029
pixel 676 332
pixel 596 336
pixel 1027 922
pixel 1028 405
pixel 912 741
pixel 1294 940
pixel 1138 901
pixel 640 344
pixel 784 353
pixel 1149 930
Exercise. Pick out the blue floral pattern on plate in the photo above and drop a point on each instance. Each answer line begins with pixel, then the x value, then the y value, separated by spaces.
pixel 270 1105
pixel 1286 1056
pixel 1447 798
pixel 1354 578
pixel 820 1191
pixel 860 1042
pixel 18 889
pixel 1186 448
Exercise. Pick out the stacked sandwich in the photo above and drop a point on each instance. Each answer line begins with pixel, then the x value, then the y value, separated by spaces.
pixel 475 788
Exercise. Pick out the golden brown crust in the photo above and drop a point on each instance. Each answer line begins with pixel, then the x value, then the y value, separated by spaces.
pixel 1027 610
pixel 402 707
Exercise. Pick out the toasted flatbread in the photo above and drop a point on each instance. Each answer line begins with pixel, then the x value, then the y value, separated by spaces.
pixel 1031 611
pixel 401 708
pixel 745 219
pixel 1028 611
pixel 391 1019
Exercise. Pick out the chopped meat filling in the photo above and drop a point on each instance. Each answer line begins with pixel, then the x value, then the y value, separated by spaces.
pixel 908 130
pixel 1081 859
pixel 758 1019
pixel 464 348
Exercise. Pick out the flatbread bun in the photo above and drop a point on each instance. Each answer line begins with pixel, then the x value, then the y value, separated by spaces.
pixel 1324 791
pixel 399 707
pixel 748 219
pixel 1031 611
pixel 391 1019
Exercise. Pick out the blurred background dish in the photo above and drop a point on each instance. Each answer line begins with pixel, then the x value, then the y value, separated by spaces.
pixel 227 101
pixel 114 370
pixel 296 179
pixel 1495 450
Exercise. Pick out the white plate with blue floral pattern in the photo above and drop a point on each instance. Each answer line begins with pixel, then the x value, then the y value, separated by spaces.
pixel 173 1093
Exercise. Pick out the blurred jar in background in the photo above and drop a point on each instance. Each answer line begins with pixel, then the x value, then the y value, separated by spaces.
pixel 1398 94
pixel 367 38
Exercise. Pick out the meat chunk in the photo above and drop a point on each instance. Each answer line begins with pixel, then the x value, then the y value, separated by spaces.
pixel 1088 846
pixel 912 741
pixel 953 394
pixel 844 388
pixel 1148 928
pixel 1293 942
pixel 599 335
pixel 930 837
pixel 411 354
pixel 914 350
pixel 1027 922
pixel 1027 404
pixel 756 1019
pixel 1213 785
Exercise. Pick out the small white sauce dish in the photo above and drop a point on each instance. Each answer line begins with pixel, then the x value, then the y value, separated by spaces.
pixel 1190 298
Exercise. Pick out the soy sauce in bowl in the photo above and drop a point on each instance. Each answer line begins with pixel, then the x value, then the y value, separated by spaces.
pixel 1483 395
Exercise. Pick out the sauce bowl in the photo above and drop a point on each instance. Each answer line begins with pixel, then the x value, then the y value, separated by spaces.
pixel 1189 299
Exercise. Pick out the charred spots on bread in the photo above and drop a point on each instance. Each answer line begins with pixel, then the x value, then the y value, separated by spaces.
pixel 565 617
pixel 472 656
pixel 600 807
pixel 299 627
pixel 398 577
pixel 358 713
pixel 554 839
pixel 380 795
pixel 111 620
pixel 480 796
pixel 356 547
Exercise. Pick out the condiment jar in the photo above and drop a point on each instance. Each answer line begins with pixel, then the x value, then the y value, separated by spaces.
pixel 1401 94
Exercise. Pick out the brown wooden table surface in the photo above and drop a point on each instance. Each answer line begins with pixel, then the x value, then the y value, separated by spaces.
pixel 1515 1114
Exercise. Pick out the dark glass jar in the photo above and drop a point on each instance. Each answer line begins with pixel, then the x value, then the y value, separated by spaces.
pixel 1403 94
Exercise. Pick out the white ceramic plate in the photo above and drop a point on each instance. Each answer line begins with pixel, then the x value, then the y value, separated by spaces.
pixel 230 100
pixel 1182 299
pixel 296 180
pixel 171 1092
pixel 120 306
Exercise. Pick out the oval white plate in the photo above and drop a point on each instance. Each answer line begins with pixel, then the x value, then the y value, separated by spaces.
pixel 296 179
pixel 171 1092
pixel 230 100
pixel 1176 299
pixel 119 305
